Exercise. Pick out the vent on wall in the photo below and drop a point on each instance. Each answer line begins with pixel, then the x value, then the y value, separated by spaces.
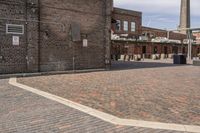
pixel 14 29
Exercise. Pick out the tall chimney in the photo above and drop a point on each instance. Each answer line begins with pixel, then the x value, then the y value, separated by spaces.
pixel 185 15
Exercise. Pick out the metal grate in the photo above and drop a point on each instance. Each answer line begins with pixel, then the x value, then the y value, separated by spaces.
pixel 14 29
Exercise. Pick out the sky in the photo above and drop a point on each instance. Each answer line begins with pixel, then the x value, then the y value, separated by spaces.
pixel 162 14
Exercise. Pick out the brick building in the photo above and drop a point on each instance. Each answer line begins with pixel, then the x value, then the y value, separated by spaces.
pixel 197 35
pixel 48 35
pixel 146 41
pixel 154 32
pixel 127 22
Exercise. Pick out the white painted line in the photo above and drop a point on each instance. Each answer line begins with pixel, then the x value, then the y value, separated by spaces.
pixel 107 117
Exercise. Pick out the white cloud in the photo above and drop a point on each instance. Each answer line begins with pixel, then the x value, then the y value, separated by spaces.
pixel 161 13
pixel 170 7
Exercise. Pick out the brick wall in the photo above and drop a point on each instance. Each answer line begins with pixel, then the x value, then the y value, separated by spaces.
pixel 57 51
pixel 47 45
pixel 13 58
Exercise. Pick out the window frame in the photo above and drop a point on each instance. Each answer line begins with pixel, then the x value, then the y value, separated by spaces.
pixel 126 26
pixel 133 23
pixel 118 24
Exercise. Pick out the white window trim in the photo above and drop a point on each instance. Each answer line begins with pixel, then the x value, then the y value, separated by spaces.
pixel 7 25
pixel 133 27
pixel 127 27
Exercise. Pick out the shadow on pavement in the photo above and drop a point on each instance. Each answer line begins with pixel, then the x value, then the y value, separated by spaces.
pixel 125 65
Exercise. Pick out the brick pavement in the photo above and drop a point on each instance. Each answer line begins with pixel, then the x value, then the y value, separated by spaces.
pixel 24 112
pixel 168 93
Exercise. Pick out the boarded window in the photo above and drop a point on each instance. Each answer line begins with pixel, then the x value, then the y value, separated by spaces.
pixel 14 29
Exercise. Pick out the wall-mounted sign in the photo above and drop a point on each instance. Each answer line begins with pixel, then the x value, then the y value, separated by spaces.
pixel 15 40
pixel 85 43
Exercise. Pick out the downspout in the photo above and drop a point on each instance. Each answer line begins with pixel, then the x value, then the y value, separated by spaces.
pixel 26 36
pixel 39 29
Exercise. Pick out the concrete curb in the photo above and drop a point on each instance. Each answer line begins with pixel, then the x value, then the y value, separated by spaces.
pixel 107 117
pixel 196 63
pixel 5 76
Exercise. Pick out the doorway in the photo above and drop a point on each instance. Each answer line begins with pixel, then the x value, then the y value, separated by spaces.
pixel 175 49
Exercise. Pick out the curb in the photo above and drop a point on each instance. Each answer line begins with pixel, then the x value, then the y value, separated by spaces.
pixel 6 76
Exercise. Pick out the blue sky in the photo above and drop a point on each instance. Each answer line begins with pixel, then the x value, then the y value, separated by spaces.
pixel 162 14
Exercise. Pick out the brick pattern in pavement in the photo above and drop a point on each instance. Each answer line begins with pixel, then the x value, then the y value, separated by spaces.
pixel 159 92
pixel 24 112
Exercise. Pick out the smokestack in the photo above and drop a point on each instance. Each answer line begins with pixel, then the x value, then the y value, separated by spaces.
pixel 185 15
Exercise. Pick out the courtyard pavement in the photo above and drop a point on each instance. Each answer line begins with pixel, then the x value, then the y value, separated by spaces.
pixel 132 90
pixel 24 112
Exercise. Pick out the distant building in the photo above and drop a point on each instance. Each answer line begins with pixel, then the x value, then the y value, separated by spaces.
pixel 152 33
pixel 197 35
pixel 144 41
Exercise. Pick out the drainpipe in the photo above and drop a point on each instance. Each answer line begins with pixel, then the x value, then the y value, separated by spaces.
pixel 26 36
pixel 39 28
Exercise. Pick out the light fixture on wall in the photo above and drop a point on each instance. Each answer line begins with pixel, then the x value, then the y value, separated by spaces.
pixel 33 10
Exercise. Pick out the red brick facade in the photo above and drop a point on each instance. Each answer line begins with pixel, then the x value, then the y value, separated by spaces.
pixel 197 35
pixel 129 16
pixel 163 33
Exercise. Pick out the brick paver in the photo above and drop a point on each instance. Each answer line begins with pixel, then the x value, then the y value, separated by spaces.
pixel 24 112
pixel 157 92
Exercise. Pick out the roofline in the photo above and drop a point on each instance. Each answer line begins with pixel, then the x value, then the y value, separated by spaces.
pixel 154 28
pixel 128 11
pixel 162 30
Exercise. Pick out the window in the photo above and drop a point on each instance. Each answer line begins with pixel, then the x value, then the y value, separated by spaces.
pixel 133 26
pixel 165 50
pixel 144 49
pixel 118 25
pixel 183 50
pixel 155 50
pixel 175 49
pixel 14 29
pixel 125 25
